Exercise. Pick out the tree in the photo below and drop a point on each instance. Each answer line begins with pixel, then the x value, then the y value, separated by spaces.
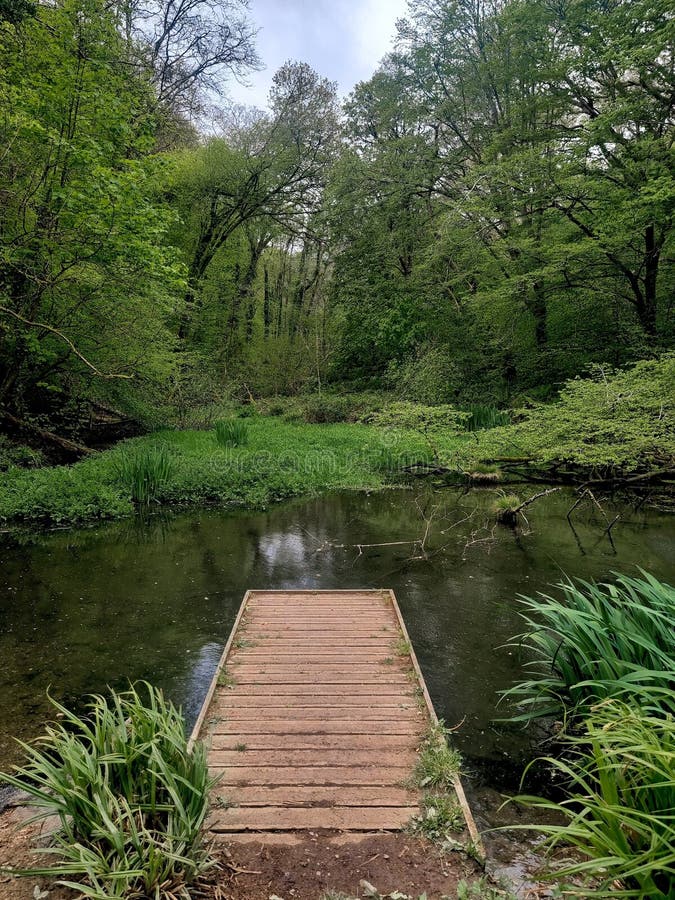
pixel 187 47
pixel 272 172
pixel 86 283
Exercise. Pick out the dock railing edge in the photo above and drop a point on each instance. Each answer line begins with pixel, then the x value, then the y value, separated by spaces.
pixel 456 781
pixel 216 675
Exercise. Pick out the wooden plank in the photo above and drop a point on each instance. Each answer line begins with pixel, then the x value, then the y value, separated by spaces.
pixel 319 757
pixel 320 690
pixel 238 700
pixel 312 726
pixel 360 714
pixel 319 723
pixel 348 742
pixel 295 819
pixel 326 775
pixel 317 795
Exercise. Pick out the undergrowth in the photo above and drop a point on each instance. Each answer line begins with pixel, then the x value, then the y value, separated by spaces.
pixel 130 797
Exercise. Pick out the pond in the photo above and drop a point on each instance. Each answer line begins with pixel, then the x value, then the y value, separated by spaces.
pixel 155 598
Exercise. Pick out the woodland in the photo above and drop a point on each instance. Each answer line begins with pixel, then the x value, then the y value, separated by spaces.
pixel 461 273
pixel 486 218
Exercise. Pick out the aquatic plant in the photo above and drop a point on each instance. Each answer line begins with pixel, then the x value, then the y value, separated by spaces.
pixel 505 508
pixel 620 810
pixel 484 416
pixel 598 641
pixel 231 432
pixel 145 471
pixel 130 795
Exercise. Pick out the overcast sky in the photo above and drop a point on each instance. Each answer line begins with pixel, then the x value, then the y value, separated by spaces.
pixel 342 39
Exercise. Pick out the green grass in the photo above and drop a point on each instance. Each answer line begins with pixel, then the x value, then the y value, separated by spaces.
pixel 598 641
pixel 279 461
pixel 145 471
pixel 439 816
pixel 438 764
pixel 231 432
pixel 130 798
pixel 483 417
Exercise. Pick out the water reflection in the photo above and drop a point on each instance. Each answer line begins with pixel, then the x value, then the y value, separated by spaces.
pixel 154 597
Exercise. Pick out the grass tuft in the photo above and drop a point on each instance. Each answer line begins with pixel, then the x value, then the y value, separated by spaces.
pixel 619 814
pixel 231 432
pixel 145 471
pixel 598 641
pixel 130 797
pixel 438 764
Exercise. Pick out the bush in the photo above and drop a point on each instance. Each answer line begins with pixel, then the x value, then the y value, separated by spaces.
pixel 231 432
pixel 20 455
pixel 620 812
pixel 611 422
pixel 131 798
pixel 145 472
pixel 599 641
pixel 433 376
pixel 326 409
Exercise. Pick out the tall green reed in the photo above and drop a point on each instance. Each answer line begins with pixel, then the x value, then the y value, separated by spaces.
pixel 485 416
pixel 145 471
pixel 131 797
pixel 231 432
pixel 619 815
pixel 598 641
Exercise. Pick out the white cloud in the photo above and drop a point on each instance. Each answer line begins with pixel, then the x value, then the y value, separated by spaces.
pixel 342 39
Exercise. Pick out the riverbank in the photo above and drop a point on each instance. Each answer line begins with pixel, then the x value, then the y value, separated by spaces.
pixel 609 430
pixel 277 462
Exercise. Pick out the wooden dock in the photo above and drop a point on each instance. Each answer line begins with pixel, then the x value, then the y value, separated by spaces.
pixel 315 716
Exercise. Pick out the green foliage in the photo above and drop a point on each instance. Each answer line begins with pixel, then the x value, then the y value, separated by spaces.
pixel 439 816
pixel 612 422
pixel 417 417
pixel 145 471
pixel 130 796
pixel 231 432
pixel 326 408
pixel 597 642
pixel 88 283
pixel 12 454
pixel 438 764
pixel 279 461
pixel 433 376
pixel 619 813
pixel 483 889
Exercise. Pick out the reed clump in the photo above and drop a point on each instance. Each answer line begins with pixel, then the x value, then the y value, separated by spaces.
pixel 130 795
pixel 145 472
pixel 231 432
pixel 598 641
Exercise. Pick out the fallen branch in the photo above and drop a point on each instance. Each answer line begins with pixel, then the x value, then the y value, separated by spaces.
pixel 71 448
pixel 59 334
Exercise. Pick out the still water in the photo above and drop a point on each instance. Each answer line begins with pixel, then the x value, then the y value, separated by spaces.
pixel 155 597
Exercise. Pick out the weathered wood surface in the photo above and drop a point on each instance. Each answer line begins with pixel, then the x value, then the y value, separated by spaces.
pixel 315 716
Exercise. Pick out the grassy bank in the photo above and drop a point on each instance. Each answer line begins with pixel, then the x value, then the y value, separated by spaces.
pixel 277 461
pixel 608 425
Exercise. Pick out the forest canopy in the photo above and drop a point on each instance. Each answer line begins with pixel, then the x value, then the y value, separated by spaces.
pixel 486 217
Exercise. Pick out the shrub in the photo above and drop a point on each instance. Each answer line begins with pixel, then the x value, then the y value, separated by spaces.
pixel 599 641
pixel 231 432
pixel 614 422
pixel 322 409
pixel 620 812
pixel 145 471
pixel 130 796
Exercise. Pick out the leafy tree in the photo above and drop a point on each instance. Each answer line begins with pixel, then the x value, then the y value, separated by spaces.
pixel 85 282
